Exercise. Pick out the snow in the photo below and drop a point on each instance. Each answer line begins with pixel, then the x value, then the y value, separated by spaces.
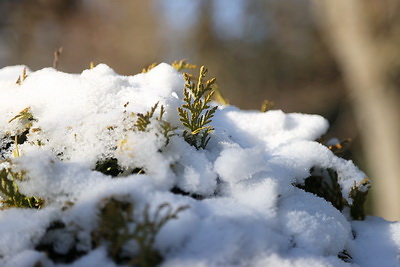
pixel 243 206
pixel 376 239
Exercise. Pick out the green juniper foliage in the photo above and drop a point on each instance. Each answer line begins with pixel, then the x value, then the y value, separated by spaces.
pixel 359 198
pixel 266 105
pixel 26 119
pixel 10 191
pixel 148 68
pixel 178 65
pixel 116 220
pixel 147 229
pixel 167 129
pixel 324 183
pixel 341 149
pixel 109 166
pixel 127 233
pixel 144 119
pixel 182 65
pixel 25 114
pixel 197 113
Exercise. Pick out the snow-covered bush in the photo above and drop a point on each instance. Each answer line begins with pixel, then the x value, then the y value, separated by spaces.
pixel 99 169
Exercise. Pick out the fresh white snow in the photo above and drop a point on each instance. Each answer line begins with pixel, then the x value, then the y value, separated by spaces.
pixel 245 209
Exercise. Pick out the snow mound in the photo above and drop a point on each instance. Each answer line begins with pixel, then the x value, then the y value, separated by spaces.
pixel 241 201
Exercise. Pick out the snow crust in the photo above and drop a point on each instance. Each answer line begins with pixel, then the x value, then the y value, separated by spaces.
pixel 250 213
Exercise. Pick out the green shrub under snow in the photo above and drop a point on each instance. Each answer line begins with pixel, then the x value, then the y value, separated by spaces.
pixel 144 170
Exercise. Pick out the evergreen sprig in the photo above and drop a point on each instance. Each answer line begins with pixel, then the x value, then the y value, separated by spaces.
pixel 24 114
pixel 115 221
pixel 146 231
pixel 150 67
pixel 325 183
pixel 167 129
pixel 266 105
pixel 10 190
pixel 359 198
pixel 144 119
pixel 182 65
pixel 178 65
pixel 197 113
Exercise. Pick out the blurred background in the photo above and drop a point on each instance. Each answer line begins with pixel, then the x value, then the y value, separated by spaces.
pixel 281 50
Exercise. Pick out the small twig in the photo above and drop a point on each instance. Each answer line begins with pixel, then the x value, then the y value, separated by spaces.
pixel 57 54
pixel 23 77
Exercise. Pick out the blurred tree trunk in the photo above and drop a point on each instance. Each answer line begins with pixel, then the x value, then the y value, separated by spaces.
pixel 366 63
